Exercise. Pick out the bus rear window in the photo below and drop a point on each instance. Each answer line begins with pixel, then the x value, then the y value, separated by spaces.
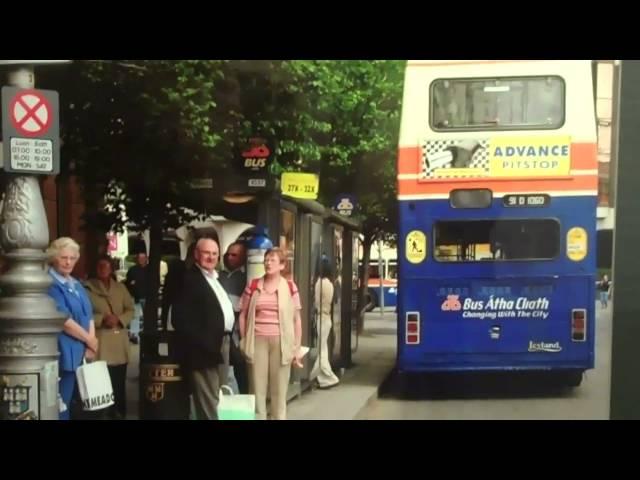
pixel 497 103
pixel 496 240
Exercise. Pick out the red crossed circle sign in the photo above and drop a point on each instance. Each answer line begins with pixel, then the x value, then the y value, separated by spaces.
pixel 30 112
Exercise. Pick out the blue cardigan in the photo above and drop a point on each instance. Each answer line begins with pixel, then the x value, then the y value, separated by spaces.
pixel 78 307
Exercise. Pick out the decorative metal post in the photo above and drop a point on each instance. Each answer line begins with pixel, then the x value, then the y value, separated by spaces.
pixel 29 320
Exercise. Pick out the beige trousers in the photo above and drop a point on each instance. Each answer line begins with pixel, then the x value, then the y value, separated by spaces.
pixel 267 371
pixel 326 377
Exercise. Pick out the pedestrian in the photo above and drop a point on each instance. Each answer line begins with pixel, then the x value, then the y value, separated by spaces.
pixel 113 310
pixel 202 316
pixel 78 337
pixel 234 280
pixel 323 302
pixel 603 288
pixel 271 331
pixel 136 283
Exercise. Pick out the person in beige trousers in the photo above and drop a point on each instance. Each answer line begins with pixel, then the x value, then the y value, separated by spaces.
pixel 323 301
pixel 271 331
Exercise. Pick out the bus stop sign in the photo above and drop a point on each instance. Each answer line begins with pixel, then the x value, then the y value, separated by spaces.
pixel 30 131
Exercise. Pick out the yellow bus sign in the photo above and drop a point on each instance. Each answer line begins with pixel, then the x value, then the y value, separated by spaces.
pixel 300 185
pixel 577 244
pixel 530 156
pixel 416 246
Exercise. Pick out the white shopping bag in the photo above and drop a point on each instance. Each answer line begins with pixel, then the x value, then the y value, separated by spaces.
pixel 236 407
pixel 94 385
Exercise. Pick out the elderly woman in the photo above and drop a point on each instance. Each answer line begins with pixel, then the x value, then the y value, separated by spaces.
pixel 113 309
pixel 77 339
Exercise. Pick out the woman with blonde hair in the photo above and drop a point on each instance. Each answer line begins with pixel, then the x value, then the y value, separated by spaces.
pixel 271 331
pixel 78 337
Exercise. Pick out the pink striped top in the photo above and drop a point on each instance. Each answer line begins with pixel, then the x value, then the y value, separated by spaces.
pixel 267 321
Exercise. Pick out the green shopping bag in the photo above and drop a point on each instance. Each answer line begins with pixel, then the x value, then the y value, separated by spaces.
pixel 236 407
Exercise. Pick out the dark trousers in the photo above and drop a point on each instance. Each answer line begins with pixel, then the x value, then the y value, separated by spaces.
pixel 240 370
pixel 118 374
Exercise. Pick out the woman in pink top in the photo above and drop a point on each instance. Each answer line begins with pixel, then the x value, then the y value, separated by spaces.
pixel 271 329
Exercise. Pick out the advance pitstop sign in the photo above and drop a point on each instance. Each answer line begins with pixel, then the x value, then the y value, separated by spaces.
pixel 30 131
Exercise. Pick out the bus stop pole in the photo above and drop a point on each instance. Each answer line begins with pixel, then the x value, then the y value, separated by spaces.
pixel 381 269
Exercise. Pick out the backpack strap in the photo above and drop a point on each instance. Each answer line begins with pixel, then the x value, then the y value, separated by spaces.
pixel 253 286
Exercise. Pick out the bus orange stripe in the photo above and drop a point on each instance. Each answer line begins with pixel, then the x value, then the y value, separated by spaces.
pixel 584 156
pixel 409 160
pixel 584 182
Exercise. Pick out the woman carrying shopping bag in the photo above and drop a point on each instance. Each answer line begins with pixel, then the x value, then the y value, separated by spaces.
pixel 78 338
pixel 271 331
pixel 113 310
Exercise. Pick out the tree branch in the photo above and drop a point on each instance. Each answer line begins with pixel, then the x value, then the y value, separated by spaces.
pixel 121 64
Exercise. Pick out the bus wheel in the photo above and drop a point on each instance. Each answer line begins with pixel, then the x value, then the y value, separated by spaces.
pixel 395 385
pixel 371 300
pixel 572 378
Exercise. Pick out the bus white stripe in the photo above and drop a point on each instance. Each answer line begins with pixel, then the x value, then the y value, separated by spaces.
pixel 560 193
pixel 418 176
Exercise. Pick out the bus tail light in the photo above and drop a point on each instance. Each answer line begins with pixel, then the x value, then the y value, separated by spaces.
pixel 578 325
pixel 412 328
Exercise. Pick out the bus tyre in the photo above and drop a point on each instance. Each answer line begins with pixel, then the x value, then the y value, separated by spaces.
pixel 573 378
pixel 395 385
pixel 371 300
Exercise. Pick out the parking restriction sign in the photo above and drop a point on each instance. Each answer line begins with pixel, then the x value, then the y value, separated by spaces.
pixel 30 131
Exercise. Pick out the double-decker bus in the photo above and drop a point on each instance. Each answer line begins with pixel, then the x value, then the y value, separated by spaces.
pixel 497 193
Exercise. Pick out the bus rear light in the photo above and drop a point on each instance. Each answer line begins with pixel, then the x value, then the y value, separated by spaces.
pixel 412 328
pixel 578 325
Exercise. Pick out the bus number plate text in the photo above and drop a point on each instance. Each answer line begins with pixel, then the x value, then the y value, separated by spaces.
pixel 525 201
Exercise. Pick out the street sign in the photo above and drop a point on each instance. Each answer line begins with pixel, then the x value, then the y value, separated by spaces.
pixel 30 131
pixel 345 204
pixel 30 113
pixel 300 185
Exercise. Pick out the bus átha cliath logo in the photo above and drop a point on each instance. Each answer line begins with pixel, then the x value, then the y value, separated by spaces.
pixel 452 304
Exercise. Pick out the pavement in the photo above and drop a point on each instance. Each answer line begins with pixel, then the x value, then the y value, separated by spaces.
pixel 373 360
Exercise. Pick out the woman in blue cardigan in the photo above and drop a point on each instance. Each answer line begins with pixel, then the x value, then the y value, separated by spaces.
pixel 78 337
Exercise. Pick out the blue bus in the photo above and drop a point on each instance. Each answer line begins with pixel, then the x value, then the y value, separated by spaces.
pixel 388 284
pixel 497 193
